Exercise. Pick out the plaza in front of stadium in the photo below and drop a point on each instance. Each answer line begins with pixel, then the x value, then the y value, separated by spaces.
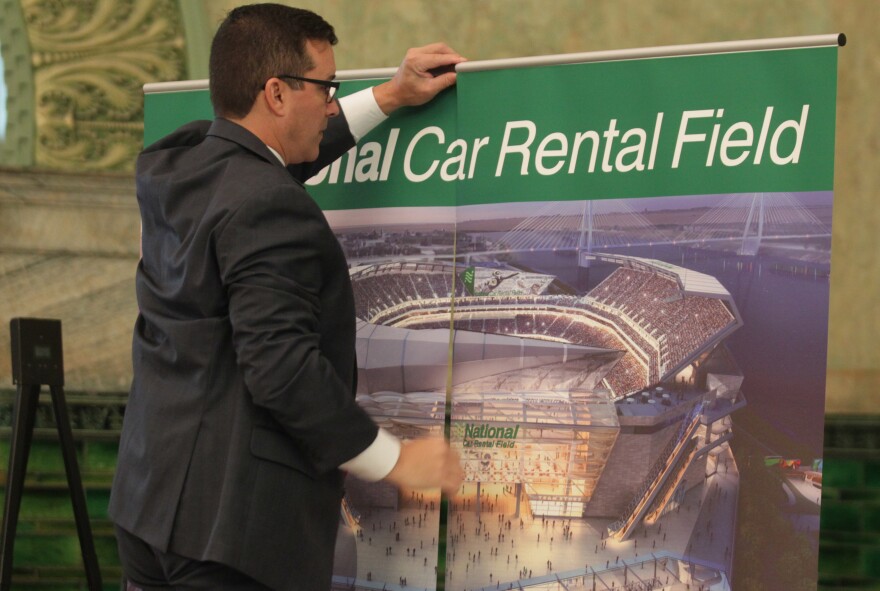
pixel 591 393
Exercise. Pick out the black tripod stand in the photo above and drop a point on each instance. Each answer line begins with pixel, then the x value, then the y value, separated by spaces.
pixel 36 361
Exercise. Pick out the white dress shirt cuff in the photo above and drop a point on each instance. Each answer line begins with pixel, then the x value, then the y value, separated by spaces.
pixel 362 112
pixel 375 462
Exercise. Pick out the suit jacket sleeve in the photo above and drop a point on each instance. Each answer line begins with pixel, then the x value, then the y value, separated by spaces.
pixel 281 265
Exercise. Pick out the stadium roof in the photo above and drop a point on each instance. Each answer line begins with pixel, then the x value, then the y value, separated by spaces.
pixel 692 282
pixel 405 360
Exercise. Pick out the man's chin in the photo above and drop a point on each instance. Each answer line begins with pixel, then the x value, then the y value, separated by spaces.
pixel 313 155
pixel 307 156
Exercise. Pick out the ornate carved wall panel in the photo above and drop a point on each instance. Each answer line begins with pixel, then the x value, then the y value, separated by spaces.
pixel 90 60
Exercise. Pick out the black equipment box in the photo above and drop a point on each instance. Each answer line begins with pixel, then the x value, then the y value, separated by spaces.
pixel 36 351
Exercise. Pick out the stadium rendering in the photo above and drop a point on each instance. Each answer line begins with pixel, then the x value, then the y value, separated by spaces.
pixel 606 412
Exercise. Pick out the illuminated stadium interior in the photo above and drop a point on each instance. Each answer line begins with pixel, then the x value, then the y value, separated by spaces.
pixel 566 377
pixel 562 444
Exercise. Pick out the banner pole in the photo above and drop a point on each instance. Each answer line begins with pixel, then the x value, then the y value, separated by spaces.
pixel 838 39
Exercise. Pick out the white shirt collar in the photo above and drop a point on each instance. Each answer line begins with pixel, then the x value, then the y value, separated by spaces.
pixel 277 155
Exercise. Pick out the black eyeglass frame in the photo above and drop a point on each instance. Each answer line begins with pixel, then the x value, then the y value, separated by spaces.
pixel 330 86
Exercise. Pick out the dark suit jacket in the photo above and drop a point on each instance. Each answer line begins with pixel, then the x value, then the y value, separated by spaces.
pixel 242 402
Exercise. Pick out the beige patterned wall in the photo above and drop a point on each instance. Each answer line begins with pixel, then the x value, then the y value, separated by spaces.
pixel 87 117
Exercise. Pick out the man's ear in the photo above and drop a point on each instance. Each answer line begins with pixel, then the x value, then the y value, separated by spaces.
pixel 273 96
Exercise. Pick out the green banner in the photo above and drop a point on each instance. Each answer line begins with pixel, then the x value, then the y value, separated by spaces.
pixel 607 283
pixel 728 123
pixel 710 124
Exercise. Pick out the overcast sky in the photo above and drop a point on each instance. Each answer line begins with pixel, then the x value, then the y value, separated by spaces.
pixel 449 215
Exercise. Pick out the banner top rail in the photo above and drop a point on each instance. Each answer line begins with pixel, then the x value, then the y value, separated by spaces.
pixel 838 39
pixel 202 84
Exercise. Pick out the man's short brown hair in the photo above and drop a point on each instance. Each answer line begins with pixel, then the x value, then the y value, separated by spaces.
pixel 255 43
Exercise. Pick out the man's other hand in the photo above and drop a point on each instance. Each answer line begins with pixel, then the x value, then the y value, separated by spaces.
pixel 424 73
pixel 427 463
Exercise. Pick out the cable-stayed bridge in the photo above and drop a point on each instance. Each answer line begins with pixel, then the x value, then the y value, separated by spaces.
pixel 752 218
pixel 742 221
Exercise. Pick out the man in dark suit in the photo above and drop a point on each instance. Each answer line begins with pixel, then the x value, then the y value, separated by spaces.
pixel 241 411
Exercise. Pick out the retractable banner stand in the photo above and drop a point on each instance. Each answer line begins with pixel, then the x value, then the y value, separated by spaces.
pixel 605 278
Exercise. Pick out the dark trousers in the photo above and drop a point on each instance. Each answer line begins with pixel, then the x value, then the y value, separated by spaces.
pixel 149 569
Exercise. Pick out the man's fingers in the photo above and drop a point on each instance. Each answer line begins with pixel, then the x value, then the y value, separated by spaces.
pixel 450 474
pixel 439 83
pixel 425 63
pixel 424 72
pixel 453 474
pixel 438 47
pixel 427 463
pixel 433 56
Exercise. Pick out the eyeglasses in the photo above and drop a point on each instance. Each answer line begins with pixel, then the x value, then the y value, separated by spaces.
pixel 330 87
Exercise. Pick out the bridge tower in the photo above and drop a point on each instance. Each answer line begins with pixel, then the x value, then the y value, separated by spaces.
pixel 585 239
pixel 751 240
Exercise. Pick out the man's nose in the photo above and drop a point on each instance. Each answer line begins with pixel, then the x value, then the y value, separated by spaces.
pixel 333 108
